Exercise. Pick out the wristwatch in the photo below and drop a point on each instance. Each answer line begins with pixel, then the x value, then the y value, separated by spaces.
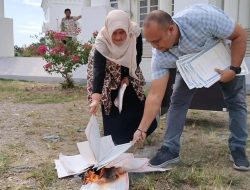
pixel 237 70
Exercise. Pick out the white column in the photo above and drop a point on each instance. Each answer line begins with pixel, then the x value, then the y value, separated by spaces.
pixel 124 5
pixel 86 3
pixel 100 3
pixel 1 8
pixel 166 5
pixel 231 8
pixel 134 10
pixel 244 13
pixel 181 5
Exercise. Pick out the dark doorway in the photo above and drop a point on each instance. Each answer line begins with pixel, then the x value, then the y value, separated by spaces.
pixel 204 99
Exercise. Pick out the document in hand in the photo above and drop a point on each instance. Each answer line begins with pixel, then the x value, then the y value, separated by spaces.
pixel 198 70
pixel 119 99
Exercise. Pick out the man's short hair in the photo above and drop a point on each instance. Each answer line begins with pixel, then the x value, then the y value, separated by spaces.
pixel 67 10
pixel 159 16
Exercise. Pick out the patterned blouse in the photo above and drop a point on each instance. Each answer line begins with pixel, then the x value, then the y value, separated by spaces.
pixel 69 26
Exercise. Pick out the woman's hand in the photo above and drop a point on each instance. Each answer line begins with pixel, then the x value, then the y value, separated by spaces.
pixel 94 106
pixel 139 136
pixel 125 80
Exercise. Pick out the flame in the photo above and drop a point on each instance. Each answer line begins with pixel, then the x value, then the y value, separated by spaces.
pixel 93 177
pixel 104 175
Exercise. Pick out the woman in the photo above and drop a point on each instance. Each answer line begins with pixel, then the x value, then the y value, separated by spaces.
pixel 113 61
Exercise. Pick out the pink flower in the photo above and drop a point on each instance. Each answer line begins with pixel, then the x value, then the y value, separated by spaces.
pixel 57 49
pixel 54 51
pixel 75 58
pixel 47 66
pixel 60 35
pixel 42 49
pixel 62 49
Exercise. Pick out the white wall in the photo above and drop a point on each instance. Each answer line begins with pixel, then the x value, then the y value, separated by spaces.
pixel 165 5
pixel 180 4
pixel 1 8
pixel 231 8
pixel 6 37
pixel 134 10
pixel 124 5
pixel 244 13
pixel 95 21
pixel 56 13
pixel 100 3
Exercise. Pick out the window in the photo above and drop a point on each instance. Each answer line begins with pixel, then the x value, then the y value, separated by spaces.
pixel 172 7
pixel 114 4
pixel 146 6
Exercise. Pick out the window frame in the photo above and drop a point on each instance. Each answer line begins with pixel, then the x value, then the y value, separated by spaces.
pixel 114 4
pixel 148 6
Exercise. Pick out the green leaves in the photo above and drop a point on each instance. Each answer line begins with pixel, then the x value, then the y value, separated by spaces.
pixel 64 54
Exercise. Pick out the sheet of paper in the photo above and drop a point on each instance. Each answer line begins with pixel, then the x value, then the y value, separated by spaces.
pixel 121 160
pixel 99 150
pixel 114 153
pixel 107 146
pixel 128 162
pixel 70 165
pixel 122 183
pixel 120 96
pixel 93 135
pixel 86 152
pixel 74 164
pixel 61 171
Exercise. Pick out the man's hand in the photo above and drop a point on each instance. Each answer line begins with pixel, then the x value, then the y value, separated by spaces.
pixel 94 106
pixel 226 75
pixel 139 136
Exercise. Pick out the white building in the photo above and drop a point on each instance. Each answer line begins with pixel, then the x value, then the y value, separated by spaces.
pixel 94 11
pixel 6 34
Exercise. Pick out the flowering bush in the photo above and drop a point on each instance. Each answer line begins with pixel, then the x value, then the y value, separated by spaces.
pixel 64 54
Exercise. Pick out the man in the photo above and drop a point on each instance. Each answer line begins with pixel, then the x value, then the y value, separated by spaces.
pixel 191 31
pixel 69 24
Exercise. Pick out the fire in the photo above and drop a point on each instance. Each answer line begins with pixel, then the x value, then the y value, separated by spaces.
pixel 104 175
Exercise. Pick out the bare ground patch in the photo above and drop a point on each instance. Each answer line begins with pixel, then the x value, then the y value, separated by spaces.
pixel 38 121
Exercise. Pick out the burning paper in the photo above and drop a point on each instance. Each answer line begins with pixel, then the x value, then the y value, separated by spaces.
pixel 121 183
pixel 103 165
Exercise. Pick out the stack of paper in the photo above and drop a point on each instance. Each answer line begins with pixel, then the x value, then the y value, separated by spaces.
pixel 198 70
pixel 96 152
pixel 100 152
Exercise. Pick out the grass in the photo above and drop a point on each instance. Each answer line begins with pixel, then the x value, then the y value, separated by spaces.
pixel 45 175
pixel 204 153
pixel 37 93
pixel 5 160
pixel 204 158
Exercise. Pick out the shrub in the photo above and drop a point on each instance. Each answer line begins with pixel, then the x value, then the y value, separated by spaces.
pixel 64 54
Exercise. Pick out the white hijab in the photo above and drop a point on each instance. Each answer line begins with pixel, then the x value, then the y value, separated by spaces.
pixel 124 54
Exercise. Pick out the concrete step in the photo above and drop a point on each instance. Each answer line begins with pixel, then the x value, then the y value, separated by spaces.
pixel 147 50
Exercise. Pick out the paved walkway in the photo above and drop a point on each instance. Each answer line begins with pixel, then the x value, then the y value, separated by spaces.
pixel 31 69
